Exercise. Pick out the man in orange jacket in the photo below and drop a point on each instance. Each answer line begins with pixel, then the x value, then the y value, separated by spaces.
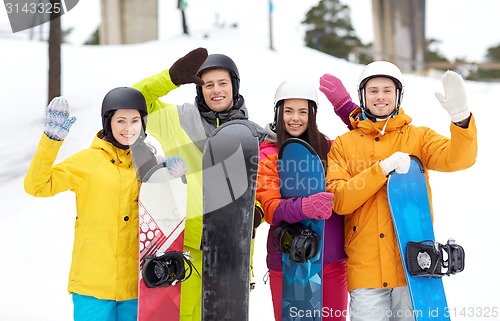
pixel 358 165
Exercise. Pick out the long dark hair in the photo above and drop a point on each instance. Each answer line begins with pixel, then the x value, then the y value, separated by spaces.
pixel 312 135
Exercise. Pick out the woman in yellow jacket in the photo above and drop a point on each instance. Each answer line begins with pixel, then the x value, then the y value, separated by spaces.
pixel 104 268
pixel 358 165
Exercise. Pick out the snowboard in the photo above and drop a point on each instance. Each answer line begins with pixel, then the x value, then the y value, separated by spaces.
pixel 230 161
pixel 301 174
pixel 162 214
pixel 411 215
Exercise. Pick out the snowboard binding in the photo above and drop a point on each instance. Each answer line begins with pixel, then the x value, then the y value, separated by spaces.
pixel 433 259
pixel 299 242
pixel 166 269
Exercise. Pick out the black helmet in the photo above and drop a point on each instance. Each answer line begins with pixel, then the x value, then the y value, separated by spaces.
pixel 121 98
pixel 219 61
pixel 215 61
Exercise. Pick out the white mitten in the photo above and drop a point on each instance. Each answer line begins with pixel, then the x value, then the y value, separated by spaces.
pixel 454 99
pixel 399 162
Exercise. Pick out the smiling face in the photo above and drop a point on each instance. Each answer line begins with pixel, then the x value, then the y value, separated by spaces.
pixel 380 96
pixel 295 116
pixel 126 126
pixel 217 89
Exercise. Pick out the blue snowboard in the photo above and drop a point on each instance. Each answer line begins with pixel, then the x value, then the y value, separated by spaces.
pixel 301 174
pixel 410 207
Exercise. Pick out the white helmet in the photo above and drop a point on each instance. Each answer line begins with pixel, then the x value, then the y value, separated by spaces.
pixel 381 69
pixel 298 89
pixel 294 89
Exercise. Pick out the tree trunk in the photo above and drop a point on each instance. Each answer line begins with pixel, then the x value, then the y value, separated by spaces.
pixel 55 53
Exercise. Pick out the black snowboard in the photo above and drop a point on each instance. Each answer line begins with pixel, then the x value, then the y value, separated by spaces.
pixel 230 161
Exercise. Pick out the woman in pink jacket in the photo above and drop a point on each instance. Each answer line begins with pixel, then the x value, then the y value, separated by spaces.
pixel 296 105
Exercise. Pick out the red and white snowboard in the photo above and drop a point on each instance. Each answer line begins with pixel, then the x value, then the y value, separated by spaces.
pixel 162 215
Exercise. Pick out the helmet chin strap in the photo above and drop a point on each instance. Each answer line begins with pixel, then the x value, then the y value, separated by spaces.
pixel 367 114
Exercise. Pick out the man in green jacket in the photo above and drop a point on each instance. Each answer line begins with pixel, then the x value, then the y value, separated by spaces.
pixel 182 130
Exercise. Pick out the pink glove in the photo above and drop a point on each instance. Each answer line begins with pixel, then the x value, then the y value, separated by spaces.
pixel 335 91
pixel 318 206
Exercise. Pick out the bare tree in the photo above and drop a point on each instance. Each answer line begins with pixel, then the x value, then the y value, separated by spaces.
pixel 55 51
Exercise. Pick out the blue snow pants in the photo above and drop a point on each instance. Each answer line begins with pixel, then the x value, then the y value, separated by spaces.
pixel 87 308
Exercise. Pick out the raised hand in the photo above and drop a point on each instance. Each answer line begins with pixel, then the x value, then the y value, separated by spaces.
pixel 57 120
pixel 334 90
pixel 454 100
pixel 184 70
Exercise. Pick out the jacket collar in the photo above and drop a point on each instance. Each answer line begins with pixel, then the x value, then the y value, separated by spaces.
pixel 117 155
pixel 238 111
pixel 369 127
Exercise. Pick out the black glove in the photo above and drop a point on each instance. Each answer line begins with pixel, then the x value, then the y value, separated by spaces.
pixel 258 216
pixel 184 70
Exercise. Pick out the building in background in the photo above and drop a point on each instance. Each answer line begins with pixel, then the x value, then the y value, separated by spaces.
pixel 128 21
pixel 400 33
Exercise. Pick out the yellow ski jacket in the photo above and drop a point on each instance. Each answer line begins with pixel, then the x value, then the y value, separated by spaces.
pixel 105 250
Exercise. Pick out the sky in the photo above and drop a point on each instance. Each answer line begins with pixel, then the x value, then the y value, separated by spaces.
pixel 36 234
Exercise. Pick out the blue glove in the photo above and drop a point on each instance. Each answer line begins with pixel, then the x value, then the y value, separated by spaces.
pixel 57 120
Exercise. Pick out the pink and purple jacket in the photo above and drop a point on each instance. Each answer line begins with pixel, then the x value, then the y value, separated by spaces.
pixel 277 209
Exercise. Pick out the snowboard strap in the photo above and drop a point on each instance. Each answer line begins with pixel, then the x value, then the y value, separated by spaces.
pixel 166 269
pixel 427 258
pixel 300 243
